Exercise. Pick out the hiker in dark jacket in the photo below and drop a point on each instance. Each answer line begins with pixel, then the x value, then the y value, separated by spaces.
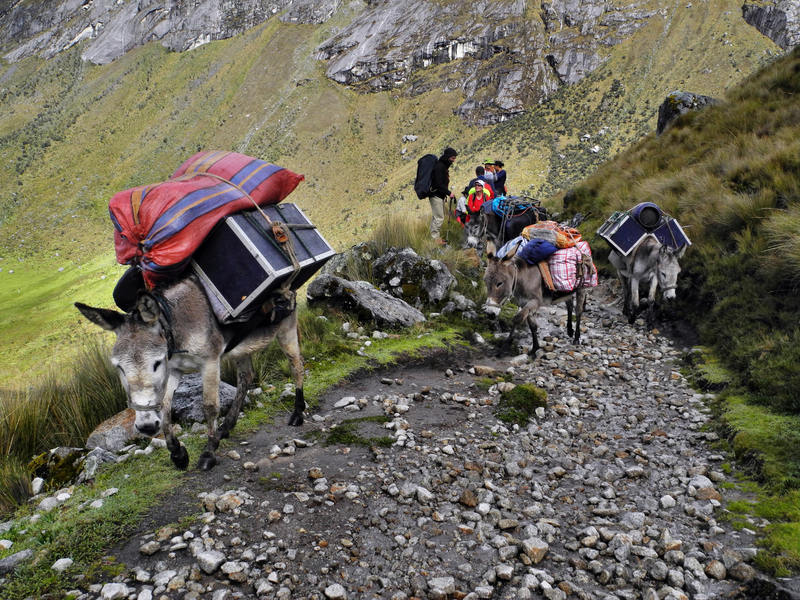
pixel 440 191
pixel 500 178
pixel 480 174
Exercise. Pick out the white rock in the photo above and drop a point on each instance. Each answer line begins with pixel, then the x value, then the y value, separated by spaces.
pixel 62 564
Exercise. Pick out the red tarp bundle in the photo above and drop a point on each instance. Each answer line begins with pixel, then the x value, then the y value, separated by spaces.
pixel 158 227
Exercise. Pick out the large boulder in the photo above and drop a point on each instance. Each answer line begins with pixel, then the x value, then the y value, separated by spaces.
pixel 355 260
pixel 779 20
pixel 362 299
pixel 679 103
pixel 417 280
pixel 115 433
pixel 187 401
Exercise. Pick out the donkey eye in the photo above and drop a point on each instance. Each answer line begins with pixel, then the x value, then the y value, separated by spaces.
pixel 499 284
pixel 157 365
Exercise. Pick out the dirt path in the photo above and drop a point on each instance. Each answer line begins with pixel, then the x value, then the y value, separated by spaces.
pixel 612 493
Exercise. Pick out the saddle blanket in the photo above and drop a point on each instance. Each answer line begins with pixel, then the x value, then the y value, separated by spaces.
pixel 159 226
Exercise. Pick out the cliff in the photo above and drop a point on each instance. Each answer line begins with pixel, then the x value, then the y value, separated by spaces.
pixel 505 57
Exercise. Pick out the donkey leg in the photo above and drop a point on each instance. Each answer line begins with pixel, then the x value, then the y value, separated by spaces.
pixel 534 327
pixel 210 376
pixel 570 303
pixel 651 299
pixel 177 451
pixel 580 306
pixel 634 300
pixel 289 340
pixel 625 283
pixel 507 344
pixel 244 378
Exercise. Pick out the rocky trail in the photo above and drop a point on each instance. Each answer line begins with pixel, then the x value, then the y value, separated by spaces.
pixel 612 492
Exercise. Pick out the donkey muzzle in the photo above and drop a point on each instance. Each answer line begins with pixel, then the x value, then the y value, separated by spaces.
pixel 148 423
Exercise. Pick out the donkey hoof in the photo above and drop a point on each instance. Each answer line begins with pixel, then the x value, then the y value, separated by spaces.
pixel 180 458
pixel 296 420
pixel 207 461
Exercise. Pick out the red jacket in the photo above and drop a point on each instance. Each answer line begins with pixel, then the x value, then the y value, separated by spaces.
pixel 474 202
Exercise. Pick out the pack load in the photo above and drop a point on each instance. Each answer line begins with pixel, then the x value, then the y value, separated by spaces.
pixel 509 206
pixel 565 270
pixel 422 182
pixel 624 231
pixel 567 267
pixel 531 251
pixel 561 237
pixel 159 226
pixel 242 262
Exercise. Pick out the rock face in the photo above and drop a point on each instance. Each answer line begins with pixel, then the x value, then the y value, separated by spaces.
pixel 417 280
pixel 362 299
pixel 504 57
pixel 677 104
pixel 779 20
pixel 115 27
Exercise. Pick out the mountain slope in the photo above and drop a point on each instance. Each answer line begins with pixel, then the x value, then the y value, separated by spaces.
pixel 73 133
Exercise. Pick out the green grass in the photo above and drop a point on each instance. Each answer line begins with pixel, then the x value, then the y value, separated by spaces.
pixel 84 536
pixel 346 433
pixel 519 404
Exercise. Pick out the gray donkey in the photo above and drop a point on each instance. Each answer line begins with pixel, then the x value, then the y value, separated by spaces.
pixel 512 277
pixel 173 331
pixel 650 262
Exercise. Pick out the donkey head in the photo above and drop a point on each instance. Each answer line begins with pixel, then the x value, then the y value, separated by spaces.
pixel 500 277
pixel 667 270
pixel 140 356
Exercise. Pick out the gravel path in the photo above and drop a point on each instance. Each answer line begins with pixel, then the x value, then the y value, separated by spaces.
pixel 612 493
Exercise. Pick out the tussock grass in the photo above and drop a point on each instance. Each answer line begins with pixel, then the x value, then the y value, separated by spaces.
pixel 731 175
pixel 61 409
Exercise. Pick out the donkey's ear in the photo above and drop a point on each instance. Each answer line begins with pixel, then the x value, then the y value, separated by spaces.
pixel 148 308
pixel 512 251
pixel 110 320
pixel 491 249
pixel 681 251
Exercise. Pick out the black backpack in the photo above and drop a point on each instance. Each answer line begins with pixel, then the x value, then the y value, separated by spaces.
pixel 422 183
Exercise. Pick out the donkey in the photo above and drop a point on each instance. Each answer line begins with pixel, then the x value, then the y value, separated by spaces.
pixel 173 331
pixel 652 262
pixel 500 230
pixel 511 276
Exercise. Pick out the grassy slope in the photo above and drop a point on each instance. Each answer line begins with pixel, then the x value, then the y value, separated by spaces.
pixel 731 174
pixel 73 134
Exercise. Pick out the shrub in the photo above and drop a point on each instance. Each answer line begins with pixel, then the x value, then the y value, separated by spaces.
pixel 519 404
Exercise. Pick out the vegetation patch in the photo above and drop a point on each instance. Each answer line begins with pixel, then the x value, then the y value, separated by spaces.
pixel 519 404
pixel 346 433
pixel 84 535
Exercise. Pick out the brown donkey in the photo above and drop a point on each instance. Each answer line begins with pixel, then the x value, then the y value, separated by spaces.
pixel 174 331
pixel 512 277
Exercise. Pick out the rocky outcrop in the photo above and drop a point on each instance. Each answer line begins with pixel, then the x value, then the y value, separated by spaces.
pixel 502 57
pixel 418 280
pixel 115 27
pixel 363 300
pixel 676 104
pixel 503 60
pixel 779 20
